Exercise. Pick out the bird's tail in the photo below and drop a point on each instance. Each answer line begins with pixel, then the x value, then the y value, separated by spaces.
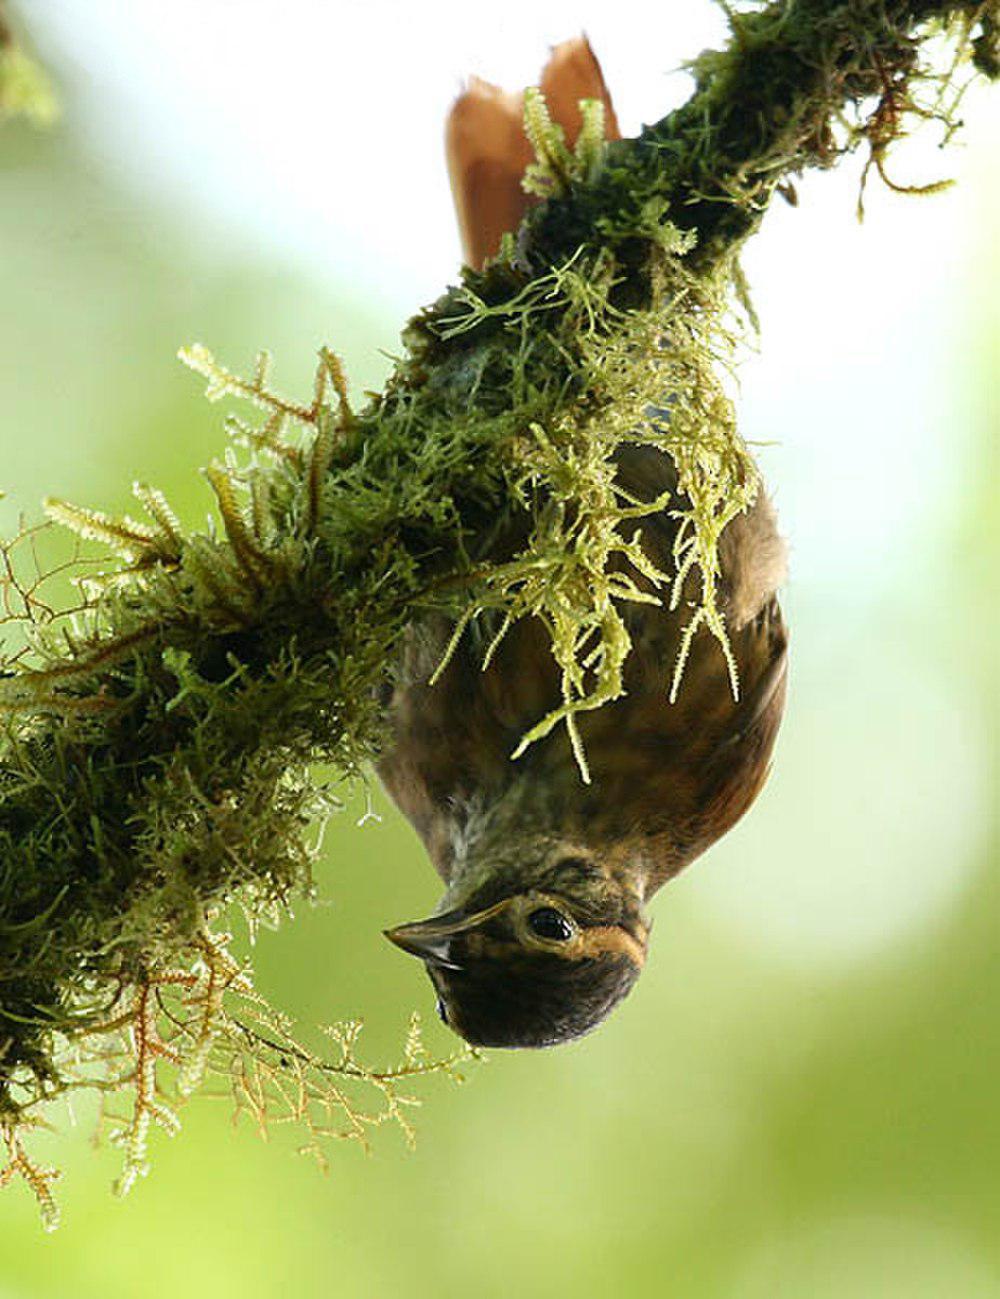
pixel 488 150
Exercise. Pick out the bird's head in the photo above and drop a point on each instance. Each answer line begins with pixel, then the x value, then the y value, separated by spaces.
pixel 536 965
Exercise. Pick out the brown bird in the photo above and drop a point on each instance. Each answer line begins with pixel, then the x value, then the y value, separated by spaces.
pixel 542 929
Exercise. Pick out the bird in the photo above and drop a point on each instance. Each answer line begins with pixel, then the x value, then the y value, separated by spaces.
pixel 543 927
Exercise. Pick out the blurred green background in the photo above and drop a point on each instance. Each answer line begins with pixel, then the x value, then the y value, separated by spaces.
pixel 800 1099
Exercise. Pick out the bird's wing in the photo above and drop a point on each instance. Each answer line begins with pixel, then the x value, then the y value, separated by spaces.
pixel 488 150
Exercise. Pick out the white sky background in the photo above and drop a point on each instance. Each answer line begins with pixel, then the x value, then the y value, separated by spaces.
pixel 319 126
pixel 313 131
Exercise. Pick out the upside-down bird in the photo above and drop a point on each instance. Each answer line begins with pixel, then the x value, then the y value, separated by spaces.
pixel 543 929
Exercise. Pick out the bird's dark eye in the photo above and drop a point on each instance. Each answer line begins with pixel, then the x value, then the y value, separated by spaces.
pixel 442 1010
pixel 547 922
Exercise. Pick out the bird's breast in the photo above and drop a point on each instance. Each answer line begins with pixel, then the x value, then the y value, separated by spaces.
pixel 671 775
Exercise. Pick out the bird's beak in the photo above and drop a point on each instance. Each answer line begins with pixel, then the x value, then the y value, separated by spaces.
pixel 432 940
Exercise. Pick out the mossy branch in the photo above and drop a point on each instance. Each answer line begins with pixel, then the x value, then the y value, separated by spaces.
pixel 157 738
pixel 798 85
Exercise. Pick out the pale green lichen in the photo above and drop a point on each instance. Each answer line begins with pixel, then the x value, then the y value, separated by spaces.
pixel 157 737
pixel 556 167
pixel 638 377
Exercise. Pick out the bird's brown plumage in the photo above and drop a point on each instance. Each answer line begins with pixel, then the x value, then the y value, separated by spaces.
pixel 510 838
pixel 488 151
